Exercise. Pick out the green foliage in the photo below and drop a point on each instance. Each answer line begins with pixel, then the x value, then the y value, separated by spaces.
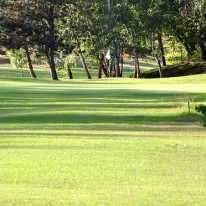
pixel 17 58
pixel 72 59
pixel 51 28
pixel 175 51
pixel 201 109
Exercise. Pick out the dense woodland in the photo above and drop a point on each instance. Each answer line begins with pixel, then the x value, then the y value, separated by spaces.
pixel 101 33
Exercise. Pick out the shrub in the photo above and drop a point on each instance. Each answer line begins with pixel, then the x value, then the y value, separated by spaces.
pixel 201 109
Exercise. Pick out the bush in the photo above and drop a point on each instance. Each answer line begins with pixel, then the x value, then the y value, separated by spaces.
pixel 201 109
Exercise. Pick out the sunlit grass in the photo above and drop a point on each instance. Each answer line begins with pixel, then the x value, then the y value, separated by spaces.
pixel 101 142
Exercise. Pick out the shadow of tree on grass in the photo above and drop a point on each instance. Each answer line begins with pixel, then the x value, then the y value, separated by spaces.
pixel 100 118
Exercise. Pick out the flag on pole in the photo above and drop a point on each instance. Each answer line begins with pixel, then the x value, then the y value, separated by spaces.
pixel 108 55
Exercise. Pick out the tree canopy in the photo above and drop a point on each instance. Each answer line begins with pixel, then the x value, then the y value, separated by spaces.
pixel 88 29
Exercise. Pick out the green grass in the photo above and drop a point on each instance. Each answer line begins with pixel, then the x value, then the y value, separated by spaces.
pixel 12 73
pixel 101 142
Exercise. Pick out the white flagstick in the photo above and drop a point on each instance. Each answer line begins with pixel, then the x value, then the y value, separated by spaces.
pixel 108 55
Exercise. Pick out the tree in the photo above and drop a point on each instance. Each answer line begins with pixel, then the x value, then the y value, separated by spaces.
pixel 137 34
pixel 18 59
pixel 48 16
pixel 14 32
pixel 45 20
pixel 186 21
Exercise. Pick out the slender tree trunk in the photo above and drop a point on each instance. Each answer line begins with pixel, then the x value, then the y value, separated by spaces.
pixel 114 69
pixel 203 50
pixel 84 65
pixel 162 49
pixel 105 71
pixel 159 65
pixel 52 65
pixel 121 62
pixel 152 42
pixel 137 72
pixel 69 72
pixel 189 52
pixel 50 51
pixel 31 69
pixel 116 65
pixel 101 65
pixel 111 70
pixel 83 61
pixel 102 68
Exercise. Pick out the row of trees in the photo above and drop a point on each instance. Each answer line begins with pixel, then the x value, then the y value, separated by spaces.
pixel 90 29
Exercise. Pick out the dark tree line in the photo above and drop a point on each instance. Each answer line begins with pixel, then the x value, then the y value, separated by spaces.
pixel 90 29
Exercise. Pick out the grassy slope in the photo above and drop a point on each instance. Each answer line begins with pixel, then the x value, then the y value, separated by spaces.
pixel 177 70
pixel 101 142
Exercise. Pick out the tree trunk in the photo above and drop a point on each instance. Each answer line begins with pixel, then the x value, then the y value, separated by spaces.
pixel 101 65
pixel 83 61
pixel 52 65
pixel 50 49
pixel 50 59
pixel 121 63
pixel 111 66
pixel 84 65
pixel 162 49
pixel 137 67
pixel 31 69
pixel 104 68
pixel 189 52
pixel 107 68
pixel 116 65
pixel 69 72
pixel 159 65
pixel 203 50
pixel 105 71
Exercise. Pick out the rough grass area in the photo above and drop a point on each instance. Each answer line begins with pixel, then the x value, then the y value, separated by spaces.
pixel 102 142
pixel 177 70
